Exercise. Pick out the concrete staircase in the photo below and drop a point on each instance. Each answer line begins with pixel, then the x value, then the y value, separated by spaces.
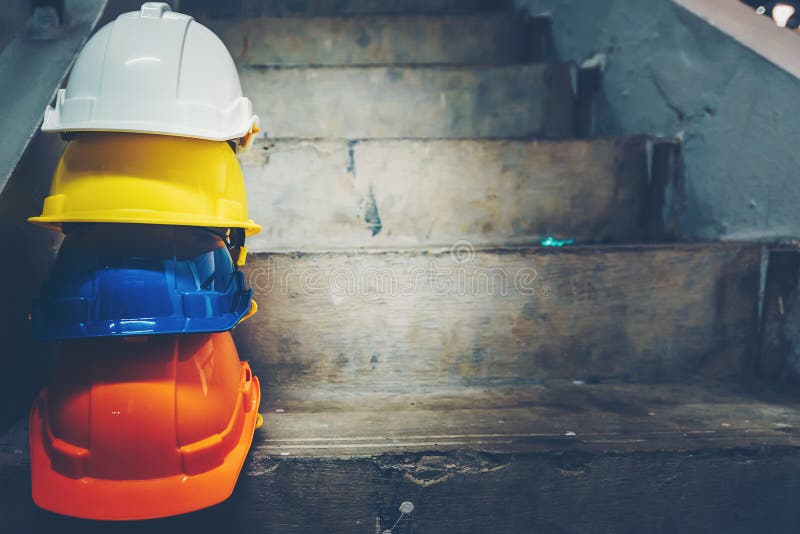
pixel 416 343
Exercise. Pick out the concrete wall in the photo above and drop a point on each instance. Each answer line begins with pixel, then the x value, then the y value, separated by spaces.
pixel 670 73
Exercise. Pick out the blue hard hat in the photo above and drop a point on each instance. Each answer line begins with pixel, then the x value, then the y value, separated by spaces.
pixel 127 280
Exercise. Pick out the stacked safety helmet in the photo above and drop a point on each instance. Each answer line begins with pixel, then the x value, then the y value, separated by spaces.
pixel 150 412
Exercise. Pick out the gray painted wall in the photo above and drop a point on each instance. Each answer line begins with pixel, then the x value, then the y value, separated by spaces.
pixel 670 73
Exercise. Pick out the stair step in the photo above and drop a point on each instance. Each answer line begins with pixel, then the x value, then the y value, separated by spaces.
pixel 387 321
pixel 580 416
pixel 327 194
pixel 259 8
pixel 560 458
pixel 380 40
pixel 533 100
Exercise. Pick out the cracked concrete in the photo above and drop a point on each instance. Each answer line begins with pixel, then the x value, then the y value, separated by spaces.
pixel 670 73
pixel 429 469
pixel 411 193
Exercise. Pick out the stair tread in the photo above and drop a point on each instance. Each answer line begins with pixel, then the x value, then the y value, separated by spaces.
pixel 530 100
pixel 434 192
pixel 347 466
pixel 563 416
pixel 385 39
pixel 550 417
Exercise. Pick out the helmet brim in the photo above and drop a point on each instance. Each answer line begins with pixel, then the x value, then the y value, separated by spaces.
pixel 55 222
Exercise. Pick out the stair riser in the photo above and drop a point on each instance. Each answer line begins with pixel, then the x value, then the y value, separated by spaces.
pixel 474 39
pixel 400 321
pixel 321 195
pixel 397 102
pixel 475 493
pixel 469 492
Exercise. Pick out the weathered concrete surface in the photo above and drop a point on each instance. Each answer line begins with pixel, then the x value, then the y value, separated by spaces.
pixel 322 195
pixel 592 418
pixel 668 73
pixel 399 39
pixel 738 491
pixel 565 458
pixel 390 102
pixel 391 321
pixel 260 8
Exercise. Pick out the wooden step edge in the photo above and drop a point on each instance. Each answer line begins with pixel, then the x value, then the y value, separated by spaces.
pixel 566 67
pixel 260 141
pixel 523 249
pixel 746 489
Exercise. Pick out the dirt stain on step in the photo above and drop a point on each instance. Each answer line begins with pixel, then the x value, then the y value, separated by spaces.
pixel 371 216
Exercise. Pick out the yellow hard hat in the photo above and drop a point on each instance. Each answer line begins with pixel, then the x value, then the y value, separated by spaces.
pixel 147 179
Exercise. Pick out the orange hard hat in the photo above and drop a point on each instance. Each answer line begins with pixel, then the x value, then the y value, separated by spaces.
pixel 140 428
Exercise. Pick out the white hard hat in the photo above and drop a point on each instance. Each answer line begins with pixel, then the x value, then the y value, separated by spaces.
pixel 155 71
